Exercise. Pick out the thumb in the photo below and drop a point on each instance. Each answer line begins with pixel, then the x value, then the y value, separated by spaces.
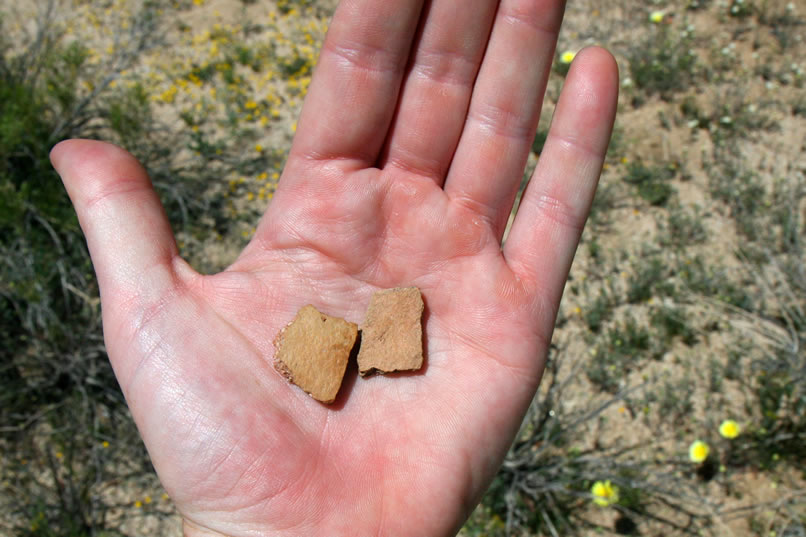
pixel 128 234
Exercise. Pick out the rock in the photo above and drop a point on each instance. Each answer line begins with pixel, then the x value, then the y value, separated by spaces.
pixel 312 352
pixel 392 333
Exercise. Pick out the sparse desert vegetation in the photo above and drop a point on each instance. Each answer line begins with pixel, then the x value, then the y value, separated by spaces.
pixel 674 400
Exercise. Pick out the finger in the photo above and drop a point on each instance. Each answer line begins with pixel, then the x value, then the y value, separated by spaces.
pixel 355 87
pixel 504 110
pixel 436 92
pixel 553 210
pixel 129 238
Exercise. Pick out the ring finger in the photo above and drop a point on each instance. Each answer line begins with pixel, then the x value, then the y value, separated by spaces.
pixel 504 110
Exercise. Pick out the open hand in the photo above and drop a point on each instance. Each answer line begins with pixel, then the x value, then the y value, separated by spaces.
pixel 409 152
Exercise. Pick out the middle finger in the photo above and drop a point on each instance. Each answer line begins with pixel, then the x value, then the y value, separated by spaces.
pixel 435 95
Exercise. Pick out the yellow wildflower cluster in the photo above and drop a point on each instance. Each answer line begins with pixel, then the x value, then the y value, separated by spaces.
pixel 168 95
pixel 698 451
pixel 249 75
pixel 729 429
pixel 604 493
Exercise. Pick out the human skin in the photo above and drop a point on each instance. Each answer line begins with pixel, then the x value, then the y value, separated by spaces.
pixel 409 152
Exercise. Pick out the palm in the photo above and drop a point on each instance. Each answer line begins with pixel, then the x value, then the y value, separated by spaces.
pixel 239 449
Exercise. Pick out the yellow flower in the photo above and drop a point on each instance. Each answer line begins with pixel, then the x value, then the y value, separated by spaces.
pixel 729 429
pixel 656 17
pixel 259 148
pixel 567 57
pixel 698 451
pixel 605 493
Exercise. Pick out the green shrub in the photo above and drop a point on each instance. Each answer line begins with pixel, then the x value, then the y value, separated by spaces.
pixel 540 140
pixel 46 274
pixel 651 183
pixel 599 311
pixel 682 229
pixel 59 400
pixel 669 322
pixel 650 277
pixel 621 351
pixel 663 62
pixel 741 8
